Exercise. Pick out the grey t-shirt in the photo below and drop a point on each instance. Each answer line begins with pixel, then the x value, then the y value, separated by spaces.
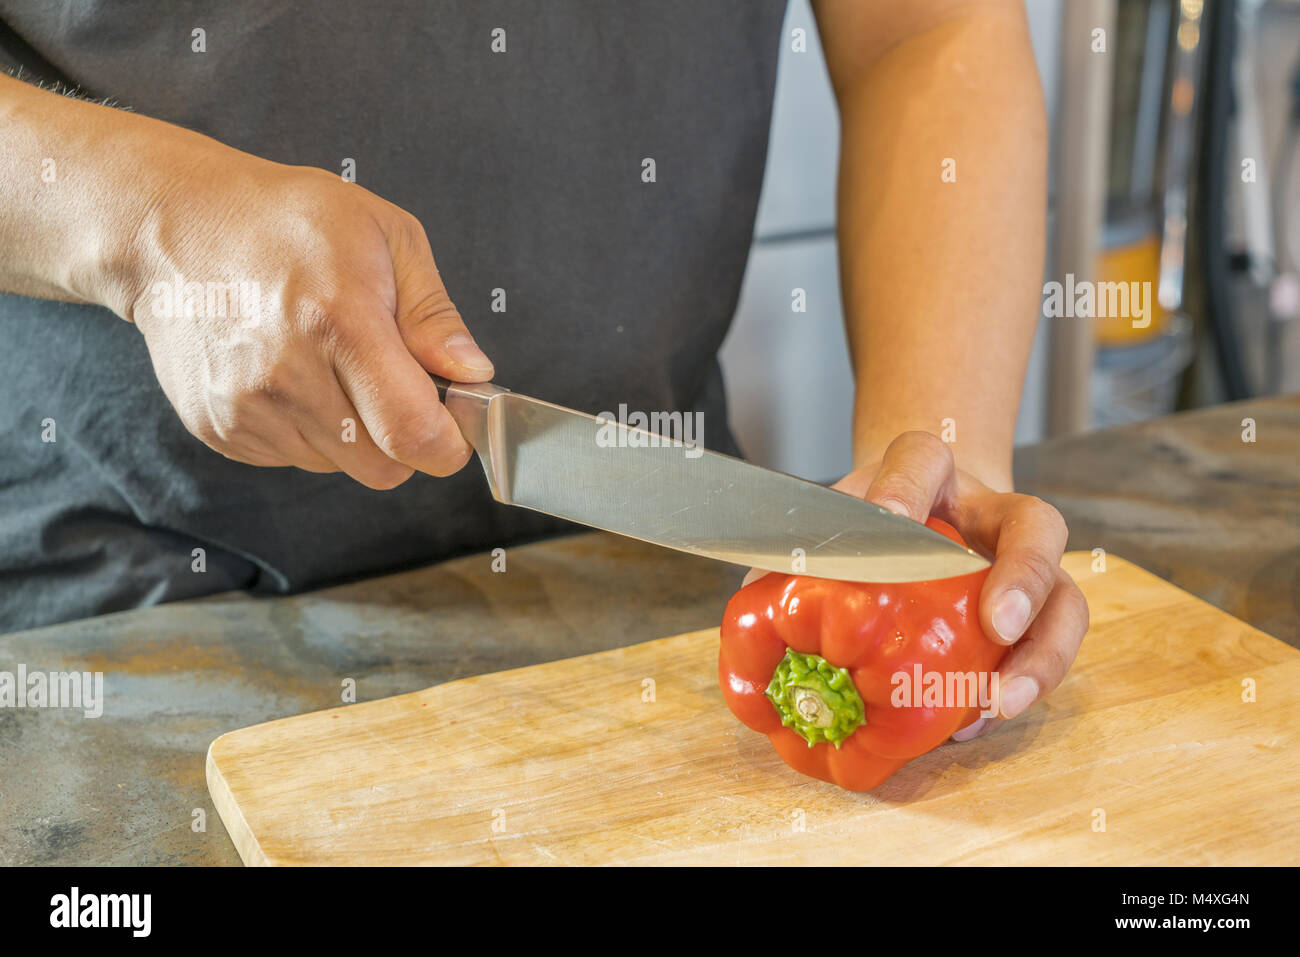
pixel 524 166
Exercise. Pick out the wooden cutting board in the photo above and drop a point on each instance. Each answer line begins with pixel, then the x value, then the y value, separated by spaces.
pixel 1147 754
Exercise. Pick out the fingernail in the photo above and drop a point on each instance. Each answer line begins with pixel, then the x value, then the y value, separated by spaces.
pixel 461 347
pixel 968 732
pixel 1011 615
pixel 895 506
pixel 753 575
pixel 1019 693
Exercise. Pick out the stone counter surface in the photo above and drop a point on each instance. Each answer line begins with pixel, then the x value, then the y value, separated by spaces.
pixel 1184 497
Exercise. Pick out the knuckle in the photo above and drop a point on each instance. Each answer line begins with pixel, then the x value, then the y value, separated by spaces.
pixel 311 192
pixel 412 226
pixel 234 417
pixel 1039 572
pixel 903 486
pixel 243 412
pixel 927 444
pixel 409 231
pixel 223 423
pixel 435 308
pixel 273 385
pixel 318 319
pixel 916 466
pixel 405 442
pixel 1042 515
pixel 1059 658
pixel 438 449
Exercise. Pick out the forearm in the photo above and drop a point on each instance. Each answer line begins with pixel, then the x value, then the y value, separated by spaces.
pixel 77 184
pixel 941 279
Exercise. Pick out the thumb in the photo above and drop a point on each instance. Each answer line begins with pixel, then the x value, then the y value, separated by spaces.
pixel 430 324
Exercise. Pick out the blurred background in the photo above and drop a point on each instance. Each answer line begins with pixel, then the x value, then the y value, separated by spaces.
pixel 1172 163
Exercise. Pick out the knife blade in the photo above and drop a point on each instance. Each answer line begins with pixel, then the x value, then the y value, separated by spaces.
pixel 606 474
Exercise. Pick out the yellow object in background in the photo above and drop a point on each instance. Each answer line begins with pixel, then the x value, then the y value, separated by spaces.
pixel 1136 260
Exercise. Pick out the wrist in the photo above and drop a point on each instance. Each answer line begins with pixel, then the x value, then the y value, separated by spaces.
pixel 94 219
pixel 131 238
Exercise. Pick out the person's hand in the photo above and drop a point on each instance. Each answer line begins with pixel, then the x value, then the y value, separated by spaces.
pixel 325 367
pixel 1028 600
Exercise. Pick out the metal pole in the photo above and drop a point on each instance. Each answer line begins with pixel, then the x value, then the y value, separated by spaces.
pixel 1082 142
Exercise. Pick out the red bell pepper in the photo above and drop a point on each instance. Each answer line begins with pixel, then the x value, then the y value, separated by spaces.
pixel 851 680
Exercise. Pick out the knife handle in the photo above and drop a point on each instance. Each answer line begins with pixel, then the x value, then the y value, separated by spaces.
pixel 442 385
pixel 468 404
pixel 480 390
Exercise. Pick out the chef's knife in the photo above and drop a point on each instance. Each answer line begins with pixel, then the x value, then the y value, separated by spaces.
pixel 606 474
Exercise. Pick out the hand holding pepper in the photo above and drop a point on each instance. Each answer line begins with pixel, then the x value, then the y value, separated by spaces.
pixel 1028 600
pixel 1025 601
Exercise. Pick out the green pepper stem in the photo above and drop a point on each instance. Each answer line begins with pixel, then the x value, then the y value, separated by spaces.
pixel 815 699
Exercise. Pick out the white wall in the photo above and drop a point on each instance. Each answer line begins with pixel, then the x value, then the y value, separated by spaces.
pixel 788 377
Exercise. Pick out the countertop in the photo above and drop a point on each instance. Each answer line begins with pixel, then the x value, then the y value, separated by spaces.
pixel 1183 496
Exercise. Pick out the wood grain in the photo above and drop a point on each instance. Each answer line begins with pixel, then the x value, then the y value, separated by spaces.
pixel 565 763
